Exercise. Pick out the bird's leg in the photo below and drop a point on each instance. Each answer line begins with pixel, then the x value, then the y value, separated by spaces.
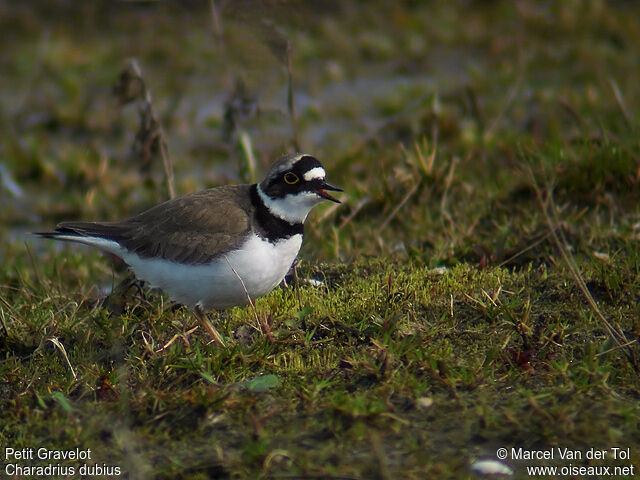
pixel 204 321
pixel 115 302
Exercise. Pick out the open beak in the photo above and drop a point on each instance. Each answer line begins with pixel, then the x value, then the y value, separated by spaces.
pixel 322 192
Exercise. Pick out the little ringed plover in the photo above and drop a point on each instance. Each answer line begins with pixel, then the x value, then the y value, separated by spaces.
pixel 212 249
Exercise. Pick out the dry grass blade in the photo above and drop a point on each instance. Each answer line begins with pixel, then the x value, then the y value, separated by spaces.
pixel 426 163
pixel 60 347
pixel 3 323
pixel 445 193
pixel 247 150
pixel 244 287
pixel 36 270
pixel 397 208
pixel 184 336
pixel 613 329
pixel 533 245
pixel 621 103
pixel 328 212
pixel 353 213
pixel 490 132
pixel 618 347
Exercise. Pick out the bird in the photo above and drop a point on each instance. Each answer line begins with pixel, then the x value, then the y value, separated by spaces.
pixel 220 247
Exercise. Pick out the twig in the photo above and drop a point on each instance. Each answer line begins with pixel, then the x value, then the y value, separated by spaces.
pixel 131 86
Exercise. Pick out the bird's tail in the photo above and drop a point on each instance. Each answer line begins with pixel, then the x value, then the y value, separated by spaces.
pixel 98 234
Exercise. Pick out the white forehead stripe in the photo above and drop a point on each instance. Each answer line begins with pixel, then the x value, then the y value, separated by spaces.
pixel 317 172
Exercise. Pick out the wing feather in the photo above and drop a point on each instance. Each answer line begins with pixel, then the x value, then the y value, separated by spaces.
pixel 194 228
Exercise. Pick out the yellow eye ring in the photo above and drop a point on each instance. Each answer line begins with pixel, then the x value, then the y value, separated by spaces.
pixel 291 178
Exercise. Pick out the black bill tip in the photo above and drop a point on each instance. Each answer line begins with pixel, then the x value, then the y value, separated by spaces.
pixel 322 191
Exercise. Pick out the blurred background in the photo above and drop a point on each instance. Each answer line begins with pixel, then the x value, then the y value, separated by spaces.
pixel 425 112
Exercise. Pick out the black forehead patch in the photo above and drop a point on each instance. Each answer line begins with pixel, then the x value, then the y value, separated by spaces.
pixel 276 187
pixel 306 163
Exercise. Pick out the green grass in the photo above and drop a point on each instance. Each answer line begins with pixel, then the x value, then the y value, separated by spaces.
pixel 450 321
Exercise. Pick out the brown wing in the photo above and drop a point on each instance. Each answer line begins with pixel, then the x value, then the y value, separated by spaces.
pixel 192 229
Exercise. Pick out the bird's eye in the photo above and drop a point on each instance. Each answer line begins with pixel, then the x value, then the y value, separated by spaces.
pixel 291 178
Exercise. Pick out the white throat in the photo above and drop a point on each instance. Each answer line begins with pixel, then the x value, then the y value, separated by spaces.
pixel 292 208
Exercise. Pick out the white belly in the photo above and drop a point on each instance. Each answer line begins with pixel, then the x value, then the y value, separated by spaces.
pixel 261 266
